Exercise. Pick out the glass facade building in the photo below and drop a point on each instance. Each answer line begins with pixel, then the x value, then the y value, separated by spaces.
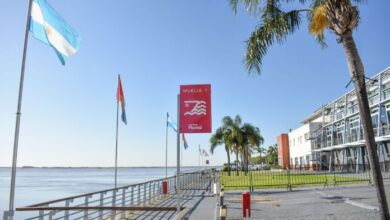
pixel 340 141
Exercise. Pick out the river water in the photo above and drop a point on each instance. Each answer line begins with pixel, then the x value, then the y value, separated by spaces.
pixel 35 185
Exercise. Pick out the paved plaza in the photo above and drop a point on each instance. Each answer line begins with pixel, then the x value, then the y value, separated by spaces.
pixel 344 202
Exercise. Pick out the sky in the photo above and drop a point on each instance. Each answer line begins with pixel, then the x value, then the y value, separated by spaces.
pixel 69 112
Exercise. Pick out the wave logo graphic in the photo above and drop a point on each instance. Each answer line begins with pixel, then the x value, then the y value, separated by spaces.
pixel 199 108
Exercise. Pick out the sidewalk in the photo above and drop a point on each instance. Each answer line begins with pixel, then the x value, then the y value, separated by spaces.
pixel 200 205
pixel 347 202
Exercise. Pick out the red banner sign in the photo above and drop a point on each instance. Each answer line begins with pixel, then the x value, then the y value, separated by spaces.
pixel 195 109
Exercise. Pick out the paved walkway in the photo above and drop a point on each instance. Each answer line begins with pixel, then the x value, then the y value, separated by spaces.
pixel 347 202
pixel 201 205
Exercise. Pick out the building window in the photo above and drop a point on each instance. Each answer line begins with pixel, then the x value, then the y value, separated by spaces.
pixel 386 91
pixel 296 161
pixel 353 129
pixel 307 136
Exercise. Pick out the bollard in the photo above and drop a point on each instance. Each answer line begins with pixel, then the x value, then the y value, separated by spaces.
pixel 246 204
pixel 221 195
pixel 165 187
pixel 223 213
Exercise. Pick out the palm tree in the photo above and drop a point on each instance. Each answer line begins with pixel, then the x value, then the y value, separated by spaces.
pixel 251 140
pixel 261 151
pixel 272 154
pixel 235 138
pixel 227 135
pixel 339 16
pixel 219 138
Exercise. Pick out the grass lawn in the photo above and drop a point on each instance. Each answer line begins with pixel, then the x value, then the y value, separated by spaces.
pixel 281 179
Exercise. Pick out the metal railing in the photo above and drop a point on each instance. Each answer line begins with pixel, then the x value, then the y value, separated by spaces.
pixel 339 174
pixel 121 201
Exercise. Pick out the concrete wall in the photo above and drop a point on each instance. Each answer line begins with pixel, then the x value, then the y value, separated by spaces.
pixel 300 147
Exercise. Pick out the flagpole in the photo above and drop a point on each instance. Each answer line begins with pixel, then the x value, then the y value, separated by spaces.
pixel 166 149
pixel 178 155
pixel 199 155
pixel 18 115
pixel 116 139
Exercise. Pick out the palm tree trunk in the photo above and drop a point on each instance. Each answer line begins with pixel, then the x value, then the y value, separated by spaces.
pixel 228 158
pixel 356 69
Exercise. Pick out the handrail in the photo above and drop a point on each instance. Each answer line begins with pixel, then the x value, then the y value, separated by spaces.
pixel 106 190
pixel 129 208
pixel 97 192
pixel 116 201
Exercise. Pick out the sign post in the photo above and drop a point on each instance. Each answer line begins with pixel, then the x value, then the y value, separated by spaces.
pixel 193 116
pixel 178 158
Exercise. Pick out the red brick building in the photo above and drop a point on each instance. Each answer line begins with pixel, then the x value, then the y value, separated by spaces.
pixel 283 151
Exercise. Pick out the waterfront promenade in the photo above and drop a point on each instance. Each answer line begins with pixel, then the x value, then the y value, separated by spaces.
pixel 147 201
pixel 344 202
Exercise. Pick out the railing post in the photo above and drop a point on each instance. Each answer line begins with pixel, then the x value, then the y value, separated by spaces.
pixel 132 196
pixel 289 187
pixel 86 201
pixel 66 213
pixel 101 204
pixel 5 215
pixel 113 212
pixel 326 180
pixel 139 195
pixel 51 213
pixel 154 190
pixel 369 177
pixel 144 201
pixel 251 181
pixel 41 214
pixel 123 202
pixel 150 192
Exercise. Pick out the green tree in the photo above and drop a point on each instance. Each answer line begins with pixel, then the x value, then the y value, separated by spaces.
pixel 341 17
pixel 251 140
pixel 272 154
pixel 226 135
pixel 236 136
pixel 218 138
pixel 260 150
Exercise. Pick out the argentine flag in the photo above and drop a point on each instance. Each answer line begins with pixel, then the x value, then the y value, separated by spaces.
pixel 171 123
pixel 49 27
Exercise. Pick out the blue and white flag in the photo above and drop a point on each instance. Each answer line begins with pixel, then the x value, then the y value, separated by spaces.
pixel 171 123
pixel 49 27
pixel 185 141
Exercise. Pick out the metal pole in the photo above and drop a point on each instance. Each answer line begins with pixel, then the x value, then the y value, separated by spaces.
pixel 116 138
pixel 178 156
pixel 18 114
pixel 199 155
pixel 166 149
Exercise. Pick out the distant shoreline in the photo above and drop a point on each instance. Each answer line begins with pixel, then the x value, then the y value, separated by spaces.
pixel 29 167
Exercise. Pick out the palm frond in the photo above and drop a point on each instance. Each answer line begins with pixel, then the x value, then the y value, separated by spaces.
pixel 319 21
pixel 252 6
pixel 272 29
pixel 321 41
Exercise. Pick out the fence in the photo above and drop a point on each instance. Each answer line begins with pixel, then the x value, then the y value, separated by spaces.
pixel 112 203
pixel 296 178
